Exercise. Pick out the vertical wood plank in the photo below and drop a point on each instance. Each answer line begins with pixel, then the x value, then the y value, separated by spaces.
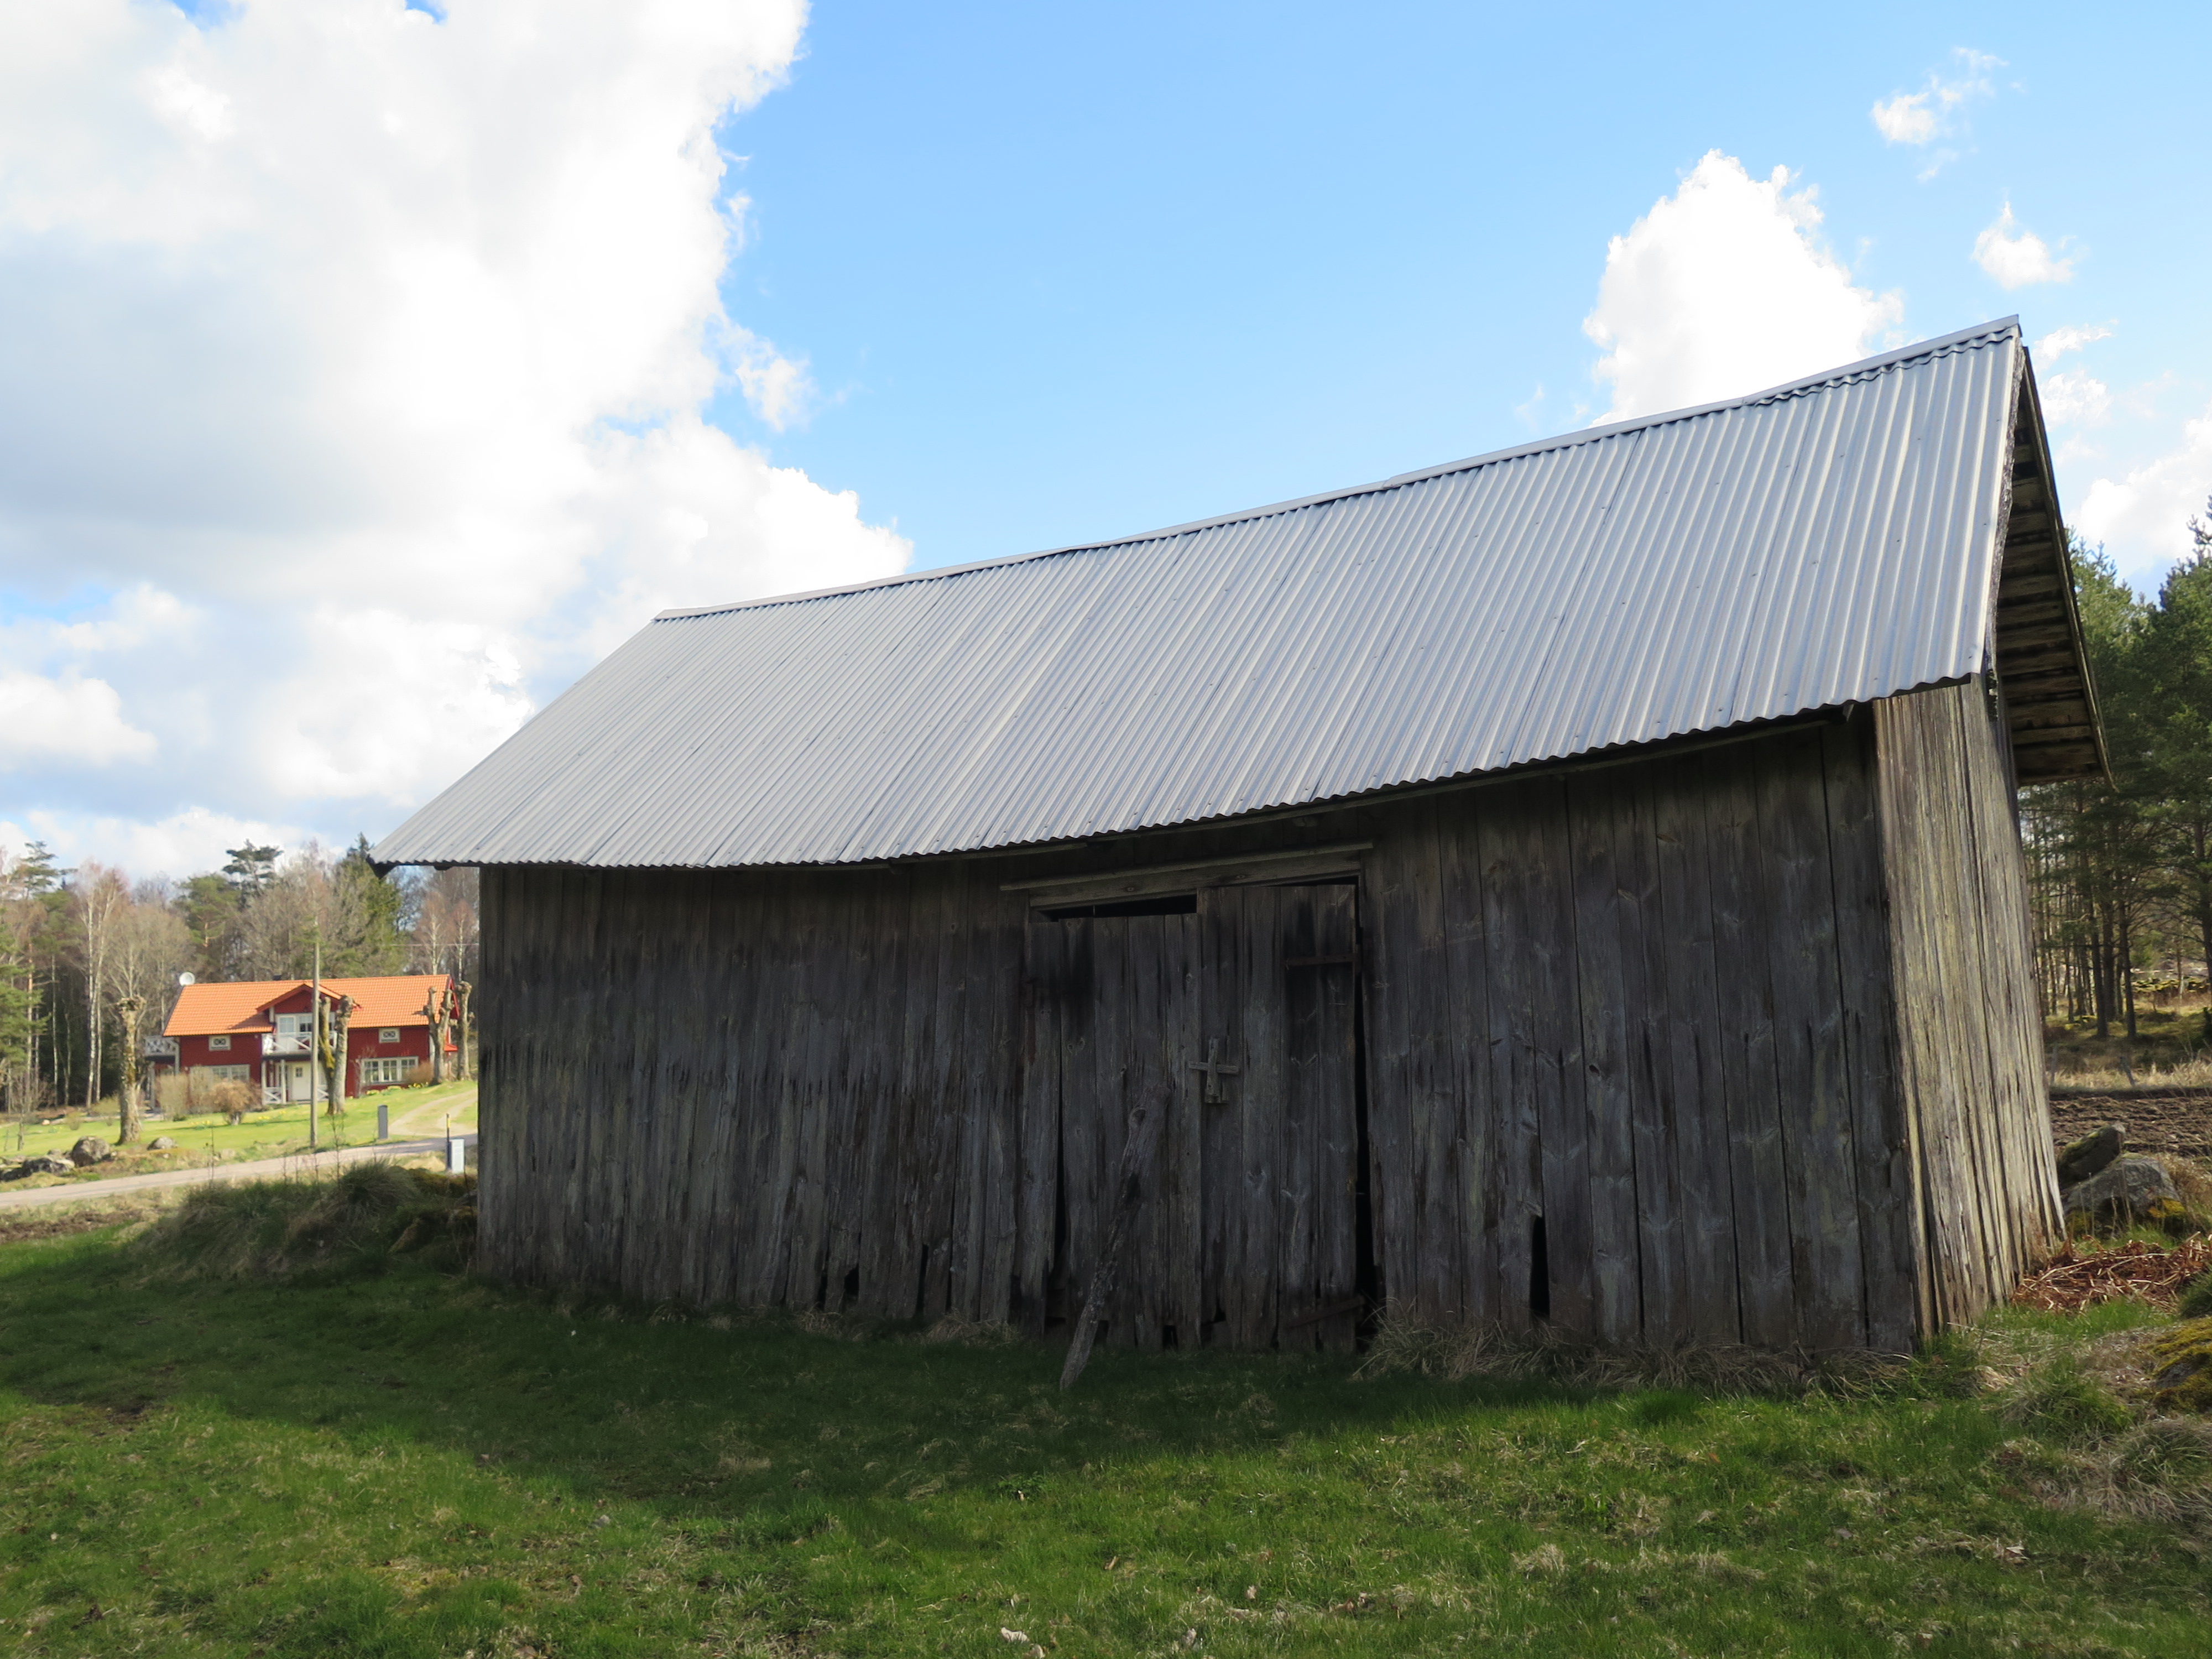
pixel 1742 928
pixel 1594 810
pixel 1889 1241
pixel 1045 995
pixel 1473 1177
pixel 1693 1088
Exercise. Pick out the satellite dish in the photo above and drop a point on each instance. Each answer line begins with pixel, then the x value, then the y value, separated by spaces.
pixel 183 979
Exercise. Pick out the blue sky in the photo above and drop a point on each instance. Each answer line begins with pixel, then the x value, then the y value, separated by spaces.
pixel 1065 274
pixel 374 369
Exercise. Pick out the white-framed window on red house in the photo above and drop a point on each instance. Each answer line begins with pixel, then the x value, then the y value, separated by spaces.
pixel 226 1074
pixel 377 1073
pixel 388 1034
pixel 219 1042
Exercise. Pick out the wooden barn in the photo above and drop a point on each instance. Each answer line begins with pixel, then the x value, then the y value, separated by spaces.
pixel 1580 883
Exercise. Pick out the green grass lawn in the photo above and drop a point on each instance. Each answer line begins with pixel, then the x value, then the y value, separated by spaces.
pixel 413 1464
pixel 279 1132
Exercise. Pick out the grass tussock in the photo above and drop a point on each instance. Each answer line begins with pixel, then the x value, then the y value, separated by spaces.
pixel 65 1220
pixel 1546 1354
pixel 2096 1424
pixel 358 1222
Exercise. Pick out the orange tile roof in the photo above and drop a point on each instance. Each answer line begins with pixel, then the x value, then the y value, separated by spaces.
pixel 242 1005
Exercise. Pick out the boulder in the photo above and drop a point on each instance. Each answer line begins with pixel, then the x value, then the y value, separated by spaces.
pixel 163 1143
pixel 2183 1360
pixel 43 1163
pixel 2129 1192
pixel 2093 1152
pixel 89 1149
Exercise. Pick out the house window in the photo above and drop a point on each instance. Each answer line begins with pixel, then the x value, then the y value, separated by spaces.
pixel 376 1073
pixel 226 1074
pixel 219 1042
pixel 389 1033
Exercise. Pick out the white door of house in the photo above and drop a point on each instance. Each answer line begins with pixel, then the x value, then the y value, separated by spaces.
pixel 297 1083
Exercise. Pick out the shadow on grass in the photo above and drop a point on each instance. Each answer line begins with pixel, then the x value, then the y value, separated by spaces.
pixel 755 1420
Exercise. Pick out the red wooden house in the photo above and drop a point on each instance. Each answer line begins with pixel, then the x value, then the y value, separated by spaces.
pixel 261 1032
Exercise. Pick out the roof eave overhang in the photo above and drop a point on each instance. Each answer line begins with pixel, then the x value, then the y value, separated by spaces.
pixel 2035 627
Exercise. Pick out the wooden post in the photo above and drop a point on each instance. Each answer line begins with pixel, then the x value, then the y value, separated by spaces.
pixel 1139 1151
pixel 126 1109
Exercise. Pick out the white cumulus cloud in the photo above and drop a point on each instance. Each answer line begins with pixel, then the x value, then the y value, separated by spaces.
pixel 70 719
pixel 184 843
pixel 355 386
pixel 2017 257
pixel 2076 398
pixel 1725 288
pixel 1919 118
pixel 2060 341
pixel 2143 516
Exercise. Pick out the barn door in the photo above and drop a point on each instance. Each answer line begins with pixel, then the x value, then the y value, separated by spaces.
pixel 1281 1161
pixel 1117 1007
pixel 1237 1011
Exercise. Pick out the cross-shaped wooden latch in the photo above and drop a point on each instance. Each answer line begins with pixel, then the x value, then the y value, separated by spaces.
pixel 1214 1068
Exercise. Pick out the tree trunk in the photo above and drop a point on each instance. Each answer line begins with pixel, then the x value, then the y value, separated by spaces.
pixel 2127 973
pixel 335 1053
pixel 435 1011
pixel 126 1111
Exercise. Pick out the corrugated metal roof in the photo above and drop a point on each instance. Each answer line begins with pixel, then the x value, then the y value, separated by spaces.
pixel 1826 541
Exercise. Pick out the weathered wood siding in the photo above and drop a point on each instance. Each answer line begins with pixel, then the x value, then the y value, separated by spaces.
pixel 1648 1005
pixel 1651 1005
pixel 1971 1048
pixel 764 1088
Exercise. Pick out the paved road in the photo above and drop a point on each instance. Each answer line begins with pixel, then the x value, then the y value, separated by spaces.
pixel 261 1170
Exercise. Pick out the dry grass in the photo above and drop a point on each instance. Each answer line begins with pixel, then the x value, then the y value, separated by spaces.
pixel 275 1230
pixel 2192 1182
pixel 2084 1273
pixel 64 1220
pixel 2101 1072
pixel 1546 1354
pixel 2159 1469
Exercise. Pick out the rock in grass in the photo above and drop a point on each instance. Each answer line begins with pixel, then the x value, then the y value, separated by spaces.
pixel 2093 1152
pixel 163 1143
pixel 89 1149
pixel 2129 1193
pixel 43 1163
pixel 2183 1379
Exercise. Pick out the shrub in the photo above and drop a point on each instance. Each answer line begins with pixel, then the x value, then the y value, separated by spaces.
pixel 172 1094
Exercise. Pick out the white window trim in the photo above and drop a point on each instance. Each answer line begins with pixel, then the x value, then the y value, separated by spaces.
pixel 220 1044
pixel 388 1034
